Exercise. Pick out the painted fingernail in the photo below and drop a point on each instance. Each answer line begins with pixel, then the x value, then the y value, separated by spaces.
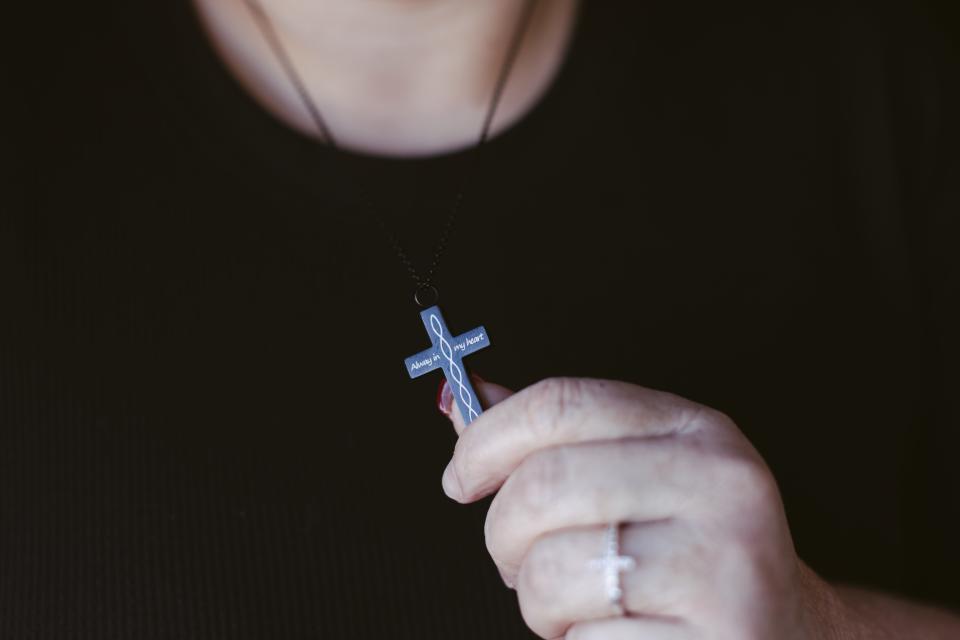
pixel 444 399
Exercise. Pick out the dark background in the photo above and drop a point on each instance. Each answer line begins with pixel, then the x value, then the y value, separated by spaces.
pixel 205 430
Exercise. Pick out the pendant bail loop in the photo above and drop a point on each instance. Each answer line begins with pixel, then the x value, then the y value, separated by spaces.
pixel 426 295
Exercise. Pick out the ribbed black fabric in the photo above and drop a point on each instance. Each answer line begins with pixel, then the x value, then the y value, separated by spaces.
pixel 205 426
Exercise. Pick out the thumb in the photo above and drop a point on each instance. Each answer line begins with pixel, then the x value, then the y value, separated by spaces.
pixel 489 393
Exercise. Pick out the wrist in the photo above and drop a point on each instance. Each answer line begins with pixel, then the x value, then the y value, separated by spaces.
pixel 824 612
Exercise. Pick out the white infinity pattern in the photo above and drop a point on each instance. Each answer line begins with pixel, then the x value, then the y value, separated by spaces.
pixel 455 371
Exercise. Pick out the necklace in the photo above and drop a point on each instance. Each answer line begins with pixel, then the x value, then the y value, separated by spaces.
pixel 446 351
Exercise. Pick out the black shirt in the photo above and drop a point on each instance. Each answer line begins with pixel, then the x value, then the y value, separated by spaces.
pixel 206 429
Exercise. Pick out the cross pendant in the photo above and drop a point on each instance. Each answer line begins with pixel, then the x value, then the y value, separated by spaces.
pixel 447 352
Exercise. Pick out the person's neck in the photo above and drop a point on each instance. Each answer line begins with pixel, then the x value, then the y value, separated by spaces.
pixel 393 77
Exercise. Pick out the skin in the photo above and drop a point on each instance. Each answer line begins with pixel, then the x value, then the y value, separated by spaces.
pixel 416 81
pixel 701 511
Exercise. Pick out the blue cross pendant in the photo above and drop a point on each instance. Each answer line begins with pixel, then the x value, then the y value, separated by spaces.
pixel 447 352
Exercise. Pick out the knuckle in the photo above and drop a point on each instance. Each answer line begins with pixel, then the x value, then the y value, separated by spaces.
pixel 540 575
pixel 461 471
pixel 536 623
pixel 719 422
pixel 541 603
pixel 491 531
pixel 524 497
pixel 700 418
pixel 539 479
pixel 551 399
pixel 464 461
pixel 746 481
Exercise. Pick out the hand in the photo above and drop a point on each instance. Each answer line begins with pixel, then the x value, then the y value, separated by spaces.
pixel 701 515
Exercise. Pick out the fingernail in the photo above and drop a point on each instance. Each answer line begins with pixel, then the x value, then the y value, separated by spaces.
pixel 451 485
pixel 444 399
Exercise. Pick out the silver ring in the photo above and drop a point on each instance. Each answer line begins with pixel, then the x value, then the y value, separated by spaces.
pixel 613 564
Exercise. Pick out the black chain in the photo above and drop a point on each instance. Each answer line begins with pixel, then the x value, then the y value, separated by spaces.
pixel 424 283
pixel 425 293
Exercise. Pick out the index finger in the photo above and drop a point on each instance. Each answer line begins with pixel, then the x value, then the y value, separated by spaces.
pixel 553 412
